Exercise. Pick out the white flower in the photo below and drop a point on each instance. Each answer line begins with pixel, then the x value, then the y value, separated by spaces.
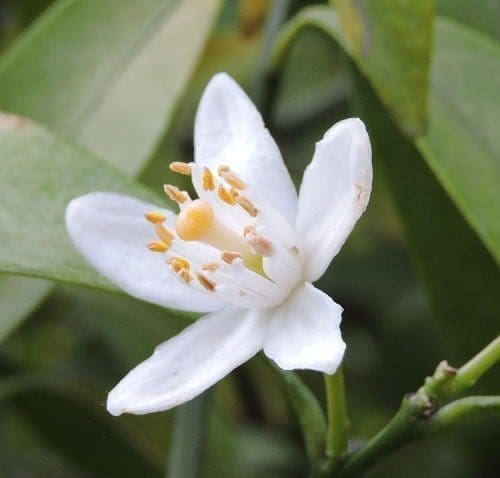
pixel 246 251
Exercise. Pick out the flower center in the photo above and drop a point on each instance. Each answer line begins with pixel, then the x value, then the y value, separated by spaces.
pixel 223 239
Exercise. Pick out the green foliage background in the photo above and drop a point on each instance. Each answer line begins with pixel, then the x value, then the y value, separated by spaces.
pixel 112 87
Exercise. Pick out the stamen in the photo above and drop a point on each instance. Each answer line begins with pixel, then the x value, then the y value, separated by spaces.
pixel 259 245
pixel 231 177
pixel 180 168
pixel 208 180
pixel 206 282
pixel 210 267
pixel 164 234
pixel 195 221
pixel 247 205
pixel 229 257
pixel 179 263
pixel 155 217
pixel 226 196
pixel 185 275
pixel 175 194
pixel 157 246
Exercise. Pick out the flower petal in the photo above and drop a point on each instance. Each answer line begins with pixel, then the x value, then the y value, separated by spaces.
pixel 111 233
pixel 305 332
pixel 186 365
pixel 229 130
pixel 334 193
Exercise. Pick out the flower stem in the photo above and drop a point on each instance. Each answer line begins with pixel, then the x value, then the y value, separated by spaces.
pixel 422 413
pixel 338 422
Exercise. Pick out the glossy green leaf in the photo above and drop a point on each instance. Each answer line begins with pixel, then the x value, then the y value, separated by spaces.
pixel 390 41
pixel 462 145
pixel 33 235
pixel 461 277
pixel 73 423
pixel 108 75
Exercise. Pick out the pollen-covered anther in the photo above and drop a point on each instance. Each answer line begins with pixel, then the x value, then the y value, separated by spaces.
pixel 180 168
pixel 247 205
pixel 210 266
pixel 155 217
pixel 206 282
pixel 179 263
pixel 185 275
pixel 175 194
pixel 158 246
pixel 195 221
pixel 226 195
pixel 164 234
pixel 226 173
pixel 208 180
pixel 228 256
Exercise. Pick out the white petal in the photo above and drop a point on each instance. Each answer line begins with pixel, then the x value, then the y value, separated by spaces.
pixel 305 332
pixel 111 233
pixel 334 193
pixel 186 365
pixel 229 130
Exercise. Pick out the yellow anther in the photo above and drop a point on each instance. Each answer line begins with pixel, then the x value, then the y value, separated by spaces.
pixel 208 180
pixel 195 221
pixel 158 246
pixel 211 266
pixel 230 177
pixel 234 193
pixel 164 234
pixel 181 168
pixel 175 194
pixel 228 256
pixel 247 205
pixel 185 275
pixel 206 282
pixel 155 217
pixel 179 263
pixel 226 195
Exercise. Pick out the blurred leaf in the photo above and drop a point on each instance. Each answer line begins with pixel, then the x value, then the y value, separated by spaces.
pixel 41 174
pixel 482 15
pixel 390 41
pixel 19 296
pixel 107 74
pixel 70 421
pixel 462 145
pixel 461 278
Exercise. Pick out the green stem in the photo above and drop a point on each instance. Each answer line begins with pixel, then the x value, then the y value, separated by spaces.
pixel 417 412
pixel 189 439
pixel 338 423
pixel 460 411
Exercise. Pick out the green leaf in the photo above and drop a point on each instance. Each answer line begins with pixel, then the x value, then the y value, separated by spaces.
pixel 462 145
pixel 19 296
pixel 107 74
pixel 482 15
pixel 390 41
pixel 94 441
pixel 33 235
pixel 113 86
pixel 460 276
